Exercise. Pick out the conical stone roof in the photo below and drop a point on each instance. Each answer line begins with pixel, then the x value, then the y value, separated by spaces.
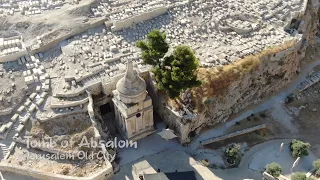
pixel 131 84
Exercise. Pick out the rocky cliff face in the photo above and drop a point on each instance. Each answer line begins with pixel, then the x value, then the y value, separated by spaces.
pixel 275 70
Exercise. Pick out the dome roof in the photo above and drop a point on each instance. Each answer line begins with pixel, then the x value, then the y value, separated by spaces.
pixel 131 84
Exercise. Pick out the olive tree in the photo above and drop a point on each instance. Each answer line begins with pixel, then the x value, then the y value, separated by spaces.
pixel 234 154
pixel 274 169
pixel 299 148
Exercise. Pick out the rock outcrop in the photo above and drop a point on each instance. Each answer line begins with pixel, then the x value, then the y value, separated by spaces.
pixel 218 98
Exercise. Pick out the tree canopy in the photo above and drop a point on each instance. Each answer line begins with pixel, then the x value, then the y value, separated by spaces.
pixel 154 48
pixel 274 169
pixel 316 165
pixel 233 153
pixel 175 70
pixel 299 148
pixel 300 176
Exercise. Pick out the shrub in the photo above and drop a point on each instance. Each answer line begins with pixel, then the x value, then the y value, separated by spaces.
pixel 299 148
pixel 233 153
pixel 274 169
pixel 237 123
pixel 299 176
pixel 316 165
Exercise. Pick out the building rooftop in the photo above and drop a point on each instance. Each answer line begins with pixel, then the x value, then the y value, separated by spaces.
pixel 188 175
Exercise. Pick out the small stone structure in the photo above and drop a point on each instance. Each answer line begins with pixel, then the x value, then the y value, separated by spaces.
pixel 133 107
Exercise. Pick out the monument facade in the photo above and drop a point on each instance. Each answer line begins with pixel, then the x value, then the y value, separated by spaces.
pixel 133 106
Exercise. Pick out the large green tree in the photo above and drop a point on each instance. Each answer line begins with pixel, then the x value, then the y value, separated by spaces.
pixel 274 169
pixel 175 70
pixel 154 48
pixel 299 148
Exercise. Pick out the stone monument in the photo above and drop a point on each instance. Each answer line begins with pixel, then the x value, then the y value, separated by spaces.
pixel 132 105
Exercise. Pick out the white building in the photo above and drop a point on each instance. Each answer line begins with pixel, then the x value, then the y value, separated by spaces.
pixel 132 105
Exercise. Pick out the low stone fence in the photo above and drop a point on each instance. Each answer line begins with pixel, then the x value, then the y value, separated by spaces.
pixel 25 171
pixel 79 91
pixel 68 104
pixel 310 172
pixel 267 176
pixel 244 131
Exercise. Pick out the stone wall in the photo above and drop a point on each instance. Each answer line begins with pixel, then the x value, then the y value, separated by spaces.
pixel 69 104
pixel 237 133
pixel 118 25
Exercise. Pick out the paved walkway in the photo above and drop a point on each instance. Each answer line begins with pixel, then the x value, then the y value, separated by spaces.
pixel 252 163
pixel 267 155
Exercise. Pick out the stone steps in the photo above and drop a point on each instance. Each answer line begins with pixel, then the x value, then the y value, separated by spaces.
pixel 3 151
pixel 309 82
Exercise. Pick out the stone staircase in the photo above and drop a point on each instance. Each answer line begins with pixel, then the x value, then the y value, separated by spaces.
pixel 3 150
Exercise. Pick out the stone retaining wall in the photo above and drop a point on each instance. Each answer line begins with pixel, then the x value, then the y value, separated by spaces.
pixel 69 104
pixel 118 25
pixel 244 131
pixel 83 110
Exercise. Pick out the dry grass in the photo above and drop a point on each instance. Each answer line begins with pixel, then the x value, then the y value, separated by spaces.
pixel 216 82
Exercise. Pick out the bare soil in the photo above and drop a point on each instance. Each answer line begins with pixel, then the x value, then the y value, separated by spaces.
pixel 69 16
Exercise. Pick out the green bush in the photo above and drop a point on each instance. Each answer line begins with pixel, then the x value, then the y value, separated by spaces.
pixel 316 165
pixel 299 148
pixel 234 154
pixel 274 169
pixel 299 176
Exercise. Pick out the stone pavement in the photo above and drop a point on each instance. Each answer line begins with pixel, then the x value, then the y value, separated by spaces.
pixel 172 160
